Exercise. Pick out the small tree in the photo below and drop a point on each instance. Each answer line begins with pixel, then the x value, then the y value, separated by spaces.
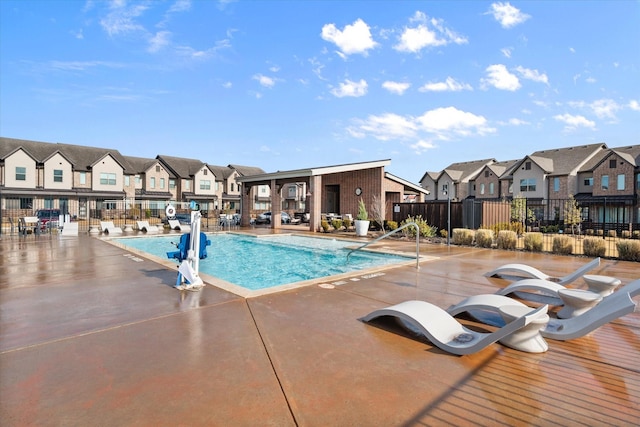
pixel 571 213
pixel 520 212
pixel 378 211
pixel 363 215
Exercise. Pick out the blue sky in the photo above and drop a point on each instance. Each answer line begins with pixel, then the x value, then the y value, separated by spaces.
pixel 294 84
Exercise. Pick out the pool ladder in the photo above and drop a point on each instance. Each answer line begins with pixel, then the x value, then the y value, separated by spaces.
pixel 409 224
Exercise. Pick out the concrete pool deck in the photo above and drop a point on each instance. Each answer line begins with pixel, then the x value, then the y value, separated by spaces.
pixel 91 334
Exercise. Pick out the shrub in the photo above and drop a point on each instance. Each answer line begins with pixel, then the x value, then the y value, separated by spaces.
pixel 362 211
pixel 337 224
pixel 347 223
pixel 533 242
pixel 562 245
pixel 599 233
pixel 612 233
pixel 462 236
pixel 392 225
pixel 625 234
pixel 484 238
pixel 593 247
pixel 325 225
pixel 425 229
pixel 636 234
pixel 628 250
pixel 590 232
pixel 444 233
pixel 507 239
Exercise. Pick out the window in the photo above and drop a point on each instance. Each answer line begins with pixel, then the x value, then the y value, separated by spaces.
pixel 486 174
pixel 481 188
pixel 556 184
pixel 204 171
pixel 187 185
pixel 605 182
pixel 205 184
pixel 152 183
pixel 620 182
pixel 127 180
pixel 107 178
pixel 157 168
pixel 612 164
pixel 57 175
pixel 21 173
pixel 528 184
pixel 510 187
pixel 527 166
pixel 638 183
pixel 138 180
pixel 233 187
pixel 491 188
pixel 162 183
pixel 588 182
pixel 83 178
pixel 172 184
pixel 445 188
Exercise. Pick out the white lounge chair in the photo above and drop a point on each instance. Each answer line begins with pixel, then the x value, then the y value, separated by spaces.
pixel 144 226
pixel 523 270
pixel 108 227
pixel 174 224
pixel 484 308
pixel 447 333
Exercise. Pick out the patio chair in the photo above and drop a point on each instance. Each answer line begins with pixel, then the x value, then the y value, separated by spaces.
pixel 174 224
pixel 144 226
pixel 485 307
pixel 108 227
pixel 446 332
pixel 522 270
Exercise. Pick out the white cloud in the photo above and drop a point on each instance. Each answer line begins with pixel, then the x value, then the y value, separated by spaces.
pixel 605 108
pixel 350 88
pixel 534 75
pixel 387 126
pixel 449 85
pixel 159 41
pixel 264 80
pixel 180 6
pixel 573 122
pixel 396 87
pixel 355 38
pixel 514 122
pixel 634 105
pixel 121 19
pixel 499 77
pixel 416 38
pixel 449 122
pixel 227 85
pixel 506 51
pixel 422 146
pixel 507 15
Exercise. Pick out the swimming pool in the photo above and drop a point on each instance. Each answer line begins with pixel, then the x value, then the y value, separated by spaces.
pixel 256 263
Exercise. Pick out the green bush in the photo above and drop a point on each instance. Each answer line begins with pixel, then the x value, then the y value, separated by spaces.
pixel 325 225
pixel 444 233
pixel 484 238
pixel 425 229
pixel 628 250
pixel 392 225
pixel 562 245
pixel 336 223
pixel 533 242
pixel 636 234
pixel 347 223
pixel 462 236
pixel 507 239
pixel 593 247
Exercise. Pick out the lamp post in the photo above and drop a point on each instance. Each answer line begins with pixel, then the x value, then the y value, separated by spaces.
pixel 448 216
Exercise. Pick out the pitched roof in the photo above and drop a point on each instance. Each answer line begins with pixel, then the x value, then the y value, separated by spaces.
pixel 464 171
pixel 564 161
pixel 140 164
pixel 181 167
pixel 247 170
pixel 81 157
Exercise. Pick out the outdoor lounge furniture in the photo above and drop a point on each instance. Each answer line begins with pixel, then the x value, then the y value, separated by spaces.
pixel 108 227
pixel 174 224
pixel 446 332
pixel 144 226
pixel 484 308
pixel 523 270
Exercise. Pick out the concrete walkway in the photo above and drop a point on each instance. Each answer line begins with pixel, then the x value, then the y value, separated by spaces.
pixel 91 334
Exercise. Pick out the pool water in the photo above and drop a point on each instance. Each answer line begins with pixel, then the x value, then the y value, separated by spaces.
pixel 263 262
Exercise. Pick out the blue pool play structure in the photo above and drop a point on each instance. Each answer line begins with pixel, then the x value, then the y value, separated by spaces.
pixel 191 249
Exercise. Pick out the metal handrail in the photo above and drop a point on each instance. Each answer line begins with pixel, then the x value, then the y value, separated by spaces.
pixel 389 234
